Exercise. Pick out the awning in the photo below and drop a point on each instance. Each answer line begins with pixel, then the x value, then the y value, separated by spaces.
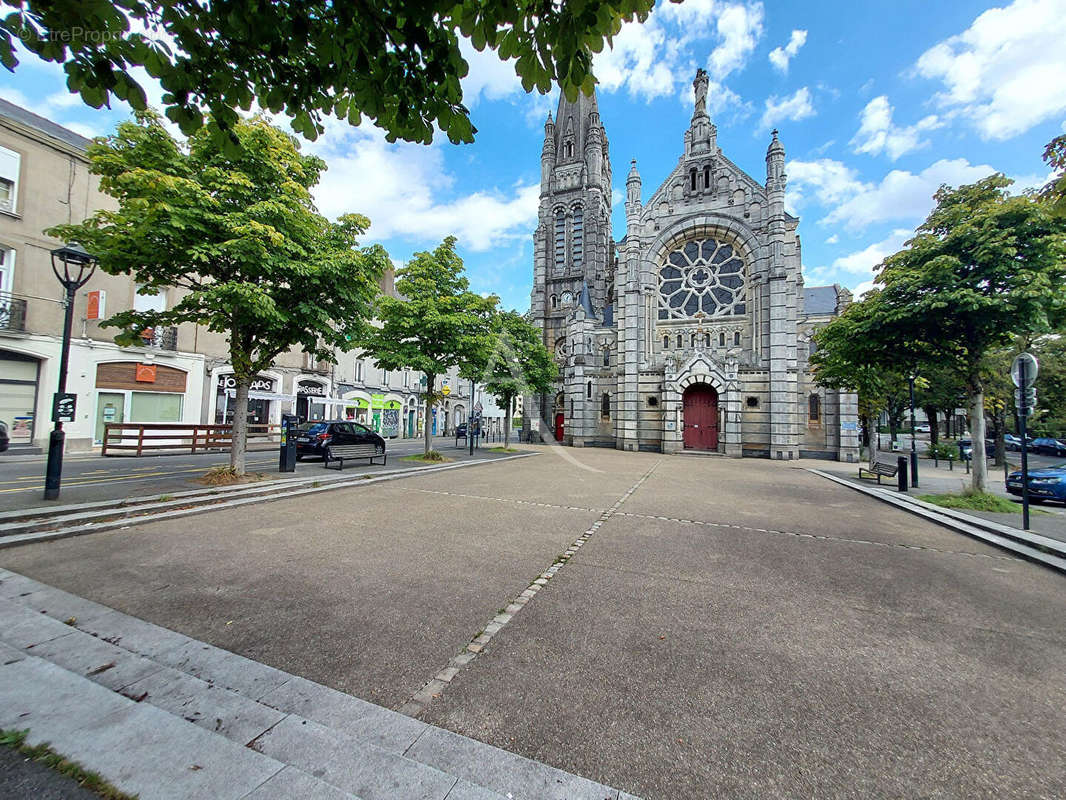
pixel 262 395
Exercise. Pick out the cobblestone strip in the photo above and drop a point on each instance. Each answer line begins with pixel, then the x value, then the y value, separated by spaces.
pixel 818 536
pixel 502 500
pixel 435 687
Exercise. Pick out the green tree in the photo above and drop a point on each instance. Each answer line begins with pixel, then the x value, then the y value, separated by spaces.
pixel 520 364
pixel 940 391
pixel 984 267
pixel 1055 191
pixel 239 238
pixel 396 63
pixel 435 324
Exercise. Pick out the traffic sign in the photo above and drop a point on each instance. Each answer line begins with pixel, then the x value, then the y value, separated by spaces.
pixel 478 408
pixel 446 390
pixel 1031 369
pixel 64 406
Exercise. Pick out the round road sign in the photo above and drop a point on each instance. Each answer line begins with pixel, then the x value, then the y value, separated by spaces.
pixel 1031 369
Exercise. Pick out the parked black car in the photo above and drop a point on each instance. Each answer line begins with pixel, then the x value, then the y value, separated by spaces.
pixel 5 440
pixel 313 437
pixel 966 448
pixel 460 430
pixel 1048 446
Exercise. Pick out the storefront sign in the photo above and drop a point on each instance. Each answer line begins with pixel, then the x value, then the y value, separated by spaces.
pixel 259 383
pixel 146 373
pixel 312 389
pixel 95 309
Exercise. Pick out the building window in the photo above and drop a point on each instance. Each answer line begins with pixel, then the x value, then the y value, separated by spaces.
pixel 815 408
pixel 666 343
pixel 7 264
pixel 149 302
pixel 578 237
pixel 692 340
pixel 721 340
pixel 384 377
pixel 605 406
pixel 736 339
pixel 692 178
pixel 554 302
pixel 752 401
pixel 707 177
pixel 9 179
pixel 588 391
pixel 706 340
pixel 679 341
pixel 560 240
pixel 606 356
pixel 653 401
pixel 812 347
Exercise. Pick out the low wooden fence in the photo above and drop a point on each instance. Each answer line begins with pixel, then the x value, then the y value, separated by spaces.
pixel 137 438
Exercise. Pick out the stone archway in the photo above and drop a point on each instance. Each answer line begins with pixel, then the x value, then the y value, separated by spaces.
pixel 700 417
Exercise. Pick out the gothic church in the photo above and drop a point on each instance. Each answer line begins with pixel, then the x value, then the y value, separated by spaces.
pixel 692 332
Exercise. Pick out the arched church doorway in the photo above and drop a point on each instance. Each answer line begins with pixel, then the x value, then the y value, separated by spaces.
pixel 700 418
pixel 560 417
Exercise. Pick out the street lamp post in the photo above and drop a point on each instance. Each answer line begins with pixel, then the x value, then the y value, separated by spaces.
pixel 914 444
pixel 73 266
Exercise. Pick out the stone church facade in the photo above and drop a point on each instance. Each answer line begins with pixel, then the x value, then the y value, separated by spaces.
pixel 691 333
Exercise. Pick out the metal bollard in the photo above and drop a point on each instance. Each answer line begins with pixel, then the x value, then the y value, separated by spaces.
pixel 901 473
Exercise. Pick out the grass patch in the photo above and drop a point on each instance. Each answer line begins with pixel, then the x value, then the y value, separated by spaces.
pixel 224 475
pixel 432 457
pixel 504 449
pixel 973 501
pixel 50 758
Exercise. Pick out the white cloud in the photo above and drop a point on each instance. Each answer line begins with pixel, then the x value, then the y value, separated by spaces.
pixel 407 192
pixel 830 182
pixel 794 107
pixel 656 58
pixel 489 77
pixel 878 134
pixel 780 56
pixel 863 262
pixel 1004 72
pixel 832 239
pixel 858 292
pixel 903 195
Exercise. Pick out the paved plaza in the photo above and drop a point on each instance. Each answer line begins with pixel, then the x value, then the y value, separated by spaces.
pixel 672 626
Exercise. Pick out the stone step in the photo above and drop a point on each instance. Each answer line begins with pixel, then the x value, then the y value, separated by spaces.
pixel 354 747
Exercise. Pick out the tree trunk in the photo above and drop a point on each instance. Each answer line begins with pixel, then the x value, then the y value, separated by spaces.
pixel 427 433
pixel 934 428
pixel 997 434
pixel 977 430
pixel 507 423
pixel 239 432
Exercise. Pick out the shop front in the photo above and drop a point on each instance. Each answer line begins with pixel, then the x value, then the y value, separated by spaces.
pixel 264 401
pixel 385 411
pixel 312 395
pixel 132 391
pixel 18 395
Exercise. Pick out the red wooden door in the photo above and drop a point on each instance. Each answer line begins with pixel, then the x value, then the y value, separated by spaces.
pixel 700 418
pixel 559 427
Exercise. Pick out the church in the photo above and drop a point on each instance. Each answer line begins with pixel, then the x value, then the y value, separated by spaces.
pixel 692 332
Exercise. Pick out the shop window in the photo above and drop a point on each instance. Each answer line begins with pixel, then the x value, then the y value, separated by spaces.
pixel 815 406
pixel 155 407
pixel 605 406
pixel 9 179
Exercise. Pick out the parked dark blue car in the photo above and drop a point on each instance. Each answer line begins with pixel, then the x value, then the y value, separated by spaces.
pixel 1048 446
pixel 1048 483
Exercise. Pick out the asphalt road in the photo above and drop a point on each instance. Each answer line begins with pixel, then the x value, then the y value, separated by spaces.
pixel 731 628
pixel 89 478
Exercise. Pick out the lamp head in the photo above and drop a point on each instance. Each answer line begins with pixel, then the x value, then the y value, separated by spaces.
pixel 73 265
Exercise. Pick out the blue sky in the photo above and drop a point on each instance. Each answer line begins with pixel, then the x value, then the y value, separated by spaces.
pixel 877 105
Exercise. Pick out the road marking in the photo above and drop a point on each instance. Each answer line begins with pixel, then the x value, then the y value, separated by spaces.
pixel 503 500
pixel 435 687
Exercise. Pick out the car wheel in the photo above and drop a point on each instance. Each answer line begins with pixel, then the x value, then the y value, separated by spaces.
pixel 299 457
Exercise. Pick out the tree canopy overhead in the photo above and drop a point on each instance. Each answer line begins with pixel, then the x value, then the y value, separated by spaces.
pixel 395 62
pixel 236 241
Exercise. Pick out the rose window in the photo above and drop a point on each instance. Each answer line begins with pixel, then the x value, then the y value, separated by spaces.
pixel 701 276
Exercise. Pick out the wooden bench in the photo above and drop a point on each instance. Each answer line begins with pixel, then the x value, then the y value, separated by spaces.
pixel 887 469
pixel 346 452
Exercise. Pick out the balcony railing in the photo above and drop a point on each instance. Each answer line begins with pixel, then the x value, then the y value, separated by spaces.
pixel 160 338
pixel 12 313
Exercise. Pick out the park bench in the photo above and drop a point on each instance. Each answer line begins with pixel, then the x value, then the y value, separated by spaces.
pixel 347 452
pixel 881 468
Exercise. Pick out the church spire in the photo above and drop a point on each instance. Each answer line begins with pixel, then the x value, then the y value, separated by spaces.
pixel 573 121
pixel 702 135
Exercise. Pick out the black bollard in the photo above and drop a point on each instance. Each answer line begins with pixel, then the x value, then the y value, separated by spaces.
pixel 901 473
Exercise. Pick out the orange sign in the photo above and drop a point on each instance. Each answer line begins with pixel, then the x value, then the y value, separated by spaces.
pixel 95 309
pixel 146 373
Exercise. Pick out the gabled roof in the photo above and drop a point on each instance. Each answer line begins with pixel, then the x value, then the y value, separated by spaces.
pixel 39 123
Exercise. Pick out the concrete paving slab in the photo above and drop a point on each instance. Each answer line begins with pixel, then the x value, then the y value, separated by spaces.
pixel 501 771
pixel 223 668
pixel 351 765
pixel 158 756
pixel 49 700
pixel 349 715
pixel 20 627
pixel 15 585
pixel 133 634
pixel 9 654
pixel 464 790
pixel 292 783
pixel 211 707
pixel 98 661
pixel 61 605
